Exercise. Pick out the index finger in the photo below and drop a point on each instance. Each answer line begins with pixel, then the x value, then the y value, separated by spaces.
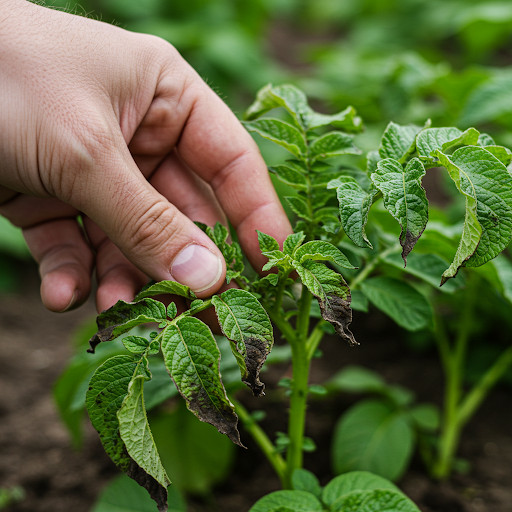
pixel 216 146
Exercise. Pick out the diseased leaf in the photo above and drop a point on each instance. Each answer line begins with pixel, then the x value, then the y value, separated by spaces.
pixel 404 198
pixel 373 436
pixel 166 288
pixel 136 434
pixel 124 316
pixel 354 481
pixel 192 359
pixel 354 204
pixel 487 186
pixel 292 242
pixel 298 501
pixel 406 306
pixel 247 326
pixel 106 394
pixel 443 139
pixel 299 206
pixel 332 144
pixel 267 243
pixel 332 293
pixel 321 251
pixel 290 176
pixel 398 142
pixel 281 133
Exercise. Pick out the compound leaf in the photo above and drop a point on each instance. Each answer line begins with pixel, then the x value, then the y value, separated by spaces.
pixel 107 392
pixel 192 359
pixel 281 133
pixel 290 176
pixel 404 198
pixel 321 251
pixel 398 142
pixel 373 436
pixel 332 144
pixel 247 326
pixel 354 204
pixel 487 186
pixel 332 293
pixel 405 305
pixel 166 288
pixel 124 316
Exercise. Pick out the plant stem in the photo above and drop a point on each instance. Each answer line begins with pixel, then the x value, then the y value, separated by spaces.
pixel 454 360
pixel 280 291
pixel 261 439
pixel 370 266
pixel 315 338
pixel 283 325
pixel 299 389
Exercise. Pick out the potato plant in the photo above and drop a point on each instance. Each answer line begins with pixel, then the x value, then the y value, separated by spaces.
pixel 306 295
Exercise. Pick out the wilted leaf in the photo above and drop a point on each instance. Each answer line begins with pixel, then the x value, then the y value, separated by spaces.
pixel 124 316
pixel 247 326
pixel 404 198
pixel 192 359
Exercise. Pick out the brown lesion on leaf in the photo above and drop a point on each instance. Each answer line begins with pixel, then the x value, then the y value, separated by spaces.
pixel 156 491
pixel 336 310
pixel 100 337
pixel 408 242
pixel 255 355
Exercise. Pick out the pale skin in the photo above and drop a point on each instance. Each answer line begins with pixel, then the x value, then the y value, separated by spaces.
pixel 116 126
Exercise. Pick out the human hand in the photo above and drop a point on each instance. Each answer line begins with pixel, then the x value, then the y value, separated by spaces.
pixel 117 126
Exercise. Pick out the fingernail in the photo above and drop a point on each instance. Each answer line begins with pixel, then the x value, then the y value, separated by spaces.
pixel 196 267
pixel 74 298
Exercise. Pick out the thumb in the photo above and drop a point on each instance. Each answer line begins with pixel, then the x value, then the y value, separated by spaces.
pixel 151 232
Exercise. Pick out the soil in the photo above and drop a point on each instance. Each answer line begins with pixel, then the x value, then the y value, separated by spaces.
pixel 36 452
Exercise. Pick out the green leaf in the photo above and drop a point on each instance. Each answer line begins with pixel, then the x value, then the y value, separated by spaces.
pixel 378 500
pixel 398 142
pixel 124 495
pixel 136 435
pixel 332 144
pixel 503 268
pixel 504 155
pixel 442 139
pixel 166 288
pixel 290 176
pixel 484 139
pixel 332 293
pixel 346 119
pixel 372 436
pixel 172 310
pixel 136 344
pixel 281 133
pixel 292 242
pixel 108 389
pixel 404 198
pixel 487 186
pixel 304 480
pixel 359 301
pixel 354 204
pixel 298 501
pixel 267 243
pixel 299 206
pixel 354 481
pixel 160 387
pixel 406 306
pixel 124 316
pixel 372 159
pixel 321 251
pixel 192 359
pixel 426 416
pixel 428 267
pixel 357 379
pixel 287 96
pixel 247 326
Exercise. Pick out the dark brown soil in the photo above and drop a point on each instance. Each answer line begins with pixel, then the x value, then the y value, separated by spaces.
pixel 36 453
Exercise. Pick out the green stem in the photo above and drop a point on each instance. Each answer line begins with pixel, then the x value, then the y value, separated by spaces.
pixel 477 394
pixel 454 373
pixel 261 439
pixel 283 325
pixel 280 291
pixel 370 266
pixel 299 389
pixel 315 338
